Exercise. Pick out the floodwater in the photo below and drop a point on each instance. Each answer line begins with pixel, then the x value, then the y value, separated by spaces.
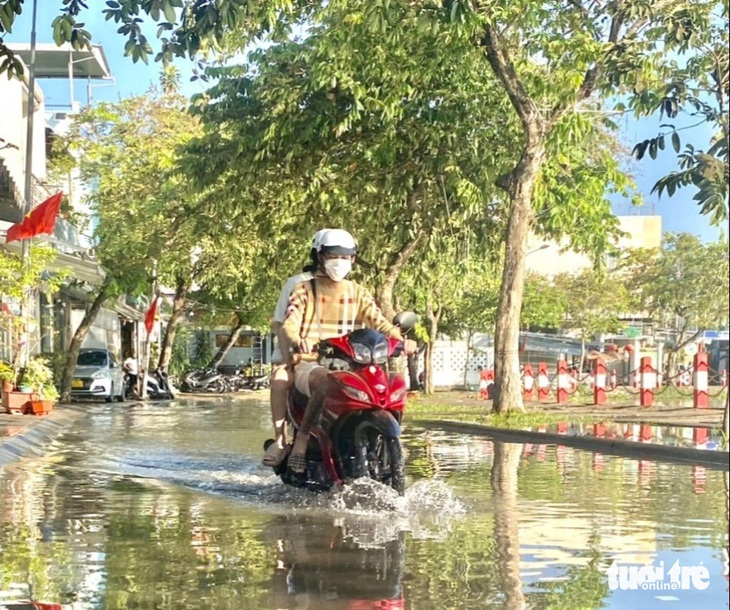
pixel 166 506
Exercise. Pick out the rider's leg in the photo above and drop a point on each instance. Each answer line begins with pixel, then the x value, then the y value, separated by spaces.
pixel 278 399
pixel 318 385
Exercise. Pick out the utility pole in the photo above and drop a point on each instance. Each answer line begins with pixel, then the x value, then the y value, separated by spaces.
pixel 25 243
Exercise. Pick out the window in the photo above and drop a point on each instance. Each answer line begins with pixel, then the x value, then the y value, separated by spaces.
pixel 95 358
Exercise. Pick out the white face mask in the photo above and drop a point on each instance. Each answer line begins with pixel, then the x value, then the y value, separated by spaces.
pixel 337 268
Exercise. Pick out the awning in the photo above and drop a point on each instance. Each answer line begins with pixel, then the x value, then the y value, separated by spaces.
pixel 128 312
pixel 52 61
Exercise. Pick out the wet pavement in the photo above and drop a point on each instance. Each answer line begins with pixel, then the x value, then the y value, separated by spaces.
pixel 166 505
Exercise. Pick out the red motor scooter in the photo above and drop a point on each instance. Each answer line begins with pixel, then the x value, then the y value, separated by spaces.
pixel 359 431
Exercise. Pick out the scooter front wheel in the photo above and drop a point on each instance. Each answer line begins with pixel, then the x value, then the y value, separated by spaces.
pixel 380 457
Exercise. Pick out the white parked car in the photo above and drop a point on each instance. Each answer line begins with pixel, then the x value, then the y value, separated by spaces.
pixel 98 373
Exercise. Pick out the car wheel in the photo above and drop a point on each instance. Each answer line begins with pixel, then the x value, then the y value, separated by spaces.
pixel 110 396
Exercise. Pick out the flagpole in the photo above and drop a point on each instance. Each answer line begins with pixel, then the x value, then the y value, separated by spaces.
pixel 25 243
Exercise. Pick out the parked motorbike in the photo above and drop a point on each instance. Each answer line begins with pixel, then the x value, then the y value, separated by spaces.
pixel 260 382
pixel 359 432
pixel 158 386
pixel 204 380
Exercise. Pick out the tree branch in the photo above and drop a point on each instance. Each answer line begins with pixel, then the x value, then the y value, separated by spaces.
pixel 503 67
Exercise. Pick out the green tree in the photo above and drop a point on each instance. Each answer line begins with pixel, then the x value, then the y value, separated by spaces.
pixel 544 305
pixel 593 304
pixel 20 277
pixel 552 60
pixel 145 233
pixel 294 131
pixel 683 286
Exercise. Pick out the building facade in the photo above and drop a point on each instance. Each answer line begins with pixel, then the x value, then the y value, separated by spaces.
pixel 54 317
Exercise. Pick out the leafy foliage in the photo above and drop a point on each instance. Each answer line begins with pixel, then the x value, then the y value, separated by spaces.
pixel 185 27
pixel 683 286
pixel 690 87
pixel 593 302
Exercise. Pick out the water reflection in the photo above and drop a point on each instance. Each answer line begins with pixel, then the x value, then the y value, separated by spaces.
pixel 331 571
pixel 506 529
pixel 113 521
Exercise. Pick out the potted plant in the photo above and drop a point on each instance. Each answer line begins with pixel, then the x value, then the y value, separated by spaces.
pixel 7 376
pixel 39 377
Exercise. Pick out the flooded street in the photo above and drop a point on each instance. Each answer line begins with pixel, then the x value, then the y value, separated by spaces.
pixel 166 506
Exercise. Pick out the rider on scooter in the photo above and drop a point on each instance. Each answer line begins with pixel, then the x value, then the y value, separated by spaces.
pixel 280 380
pixel 325 307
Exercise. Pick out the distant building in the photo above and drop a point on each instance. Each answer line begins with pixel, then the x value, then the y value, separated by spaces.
pixel 550 258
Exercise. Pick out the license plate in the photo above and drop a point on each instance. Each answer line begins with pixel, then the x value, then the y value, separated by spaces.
pixel 77 383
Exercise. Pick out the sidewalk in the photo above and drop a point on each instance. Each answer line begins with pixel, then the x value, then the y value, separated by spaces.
pixel 454 411
pixel 23 435
pixel 627 412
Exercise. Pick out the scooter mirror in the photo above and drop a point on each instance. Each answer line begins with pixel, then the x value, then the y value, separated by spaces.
pixel 405 320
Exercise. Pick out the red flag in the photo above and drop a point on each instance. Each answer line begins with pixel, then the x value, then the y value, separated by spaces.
pixel 41 219
pixel 149 318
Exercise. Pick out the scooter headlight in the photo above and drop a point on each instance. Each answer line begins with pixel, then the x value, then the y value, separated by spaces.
pixel 380 353
pixel 362 353
pixel 356 394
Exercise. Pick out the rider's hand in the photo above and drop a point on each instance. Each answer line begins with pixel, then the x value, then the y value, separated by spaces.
pixel 409 346
pixel 304 347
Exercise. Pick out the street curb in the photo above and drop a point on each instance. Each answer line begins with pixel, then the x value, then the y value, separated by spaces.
pixel 34 438
pixel 682 455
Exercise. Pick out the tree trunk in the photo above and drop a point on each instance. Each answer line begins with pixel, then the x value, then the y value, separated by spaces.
pixel 78 339
pixel 519 183
pixel 506 531
pixel 412 360
pixel 384 293
pixel 433 318
pixel 178 311
pixel 469 335
pixel 230 342
pixel 673 354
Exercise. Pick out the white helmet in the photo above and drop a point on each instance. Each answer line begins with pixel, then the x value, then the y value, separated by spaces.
pixel 318 238
pixel 337 241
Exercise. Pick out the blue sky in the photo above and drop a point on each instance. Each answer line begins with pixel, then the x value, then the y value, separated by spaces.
pixel 679 213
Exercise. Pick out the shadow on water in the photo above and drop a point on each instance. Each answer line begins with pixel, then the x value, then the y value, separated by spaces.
pixel 169 508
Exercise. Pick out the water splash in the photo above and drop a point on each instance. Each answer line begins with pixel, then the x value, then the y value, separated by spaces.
pixel 371 514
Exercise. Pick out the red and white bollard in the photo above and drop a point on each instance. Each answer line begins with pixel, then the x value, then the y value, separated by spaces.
pixel 528 383
pixel 563 382
pixel 701 397
pixel 648 382
pixel 700 437
pixel 637 378
pixel 599 381
pixel 699 478
pixel 723 378
pixel 543 382
pixel 614 379
pixel 645 433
